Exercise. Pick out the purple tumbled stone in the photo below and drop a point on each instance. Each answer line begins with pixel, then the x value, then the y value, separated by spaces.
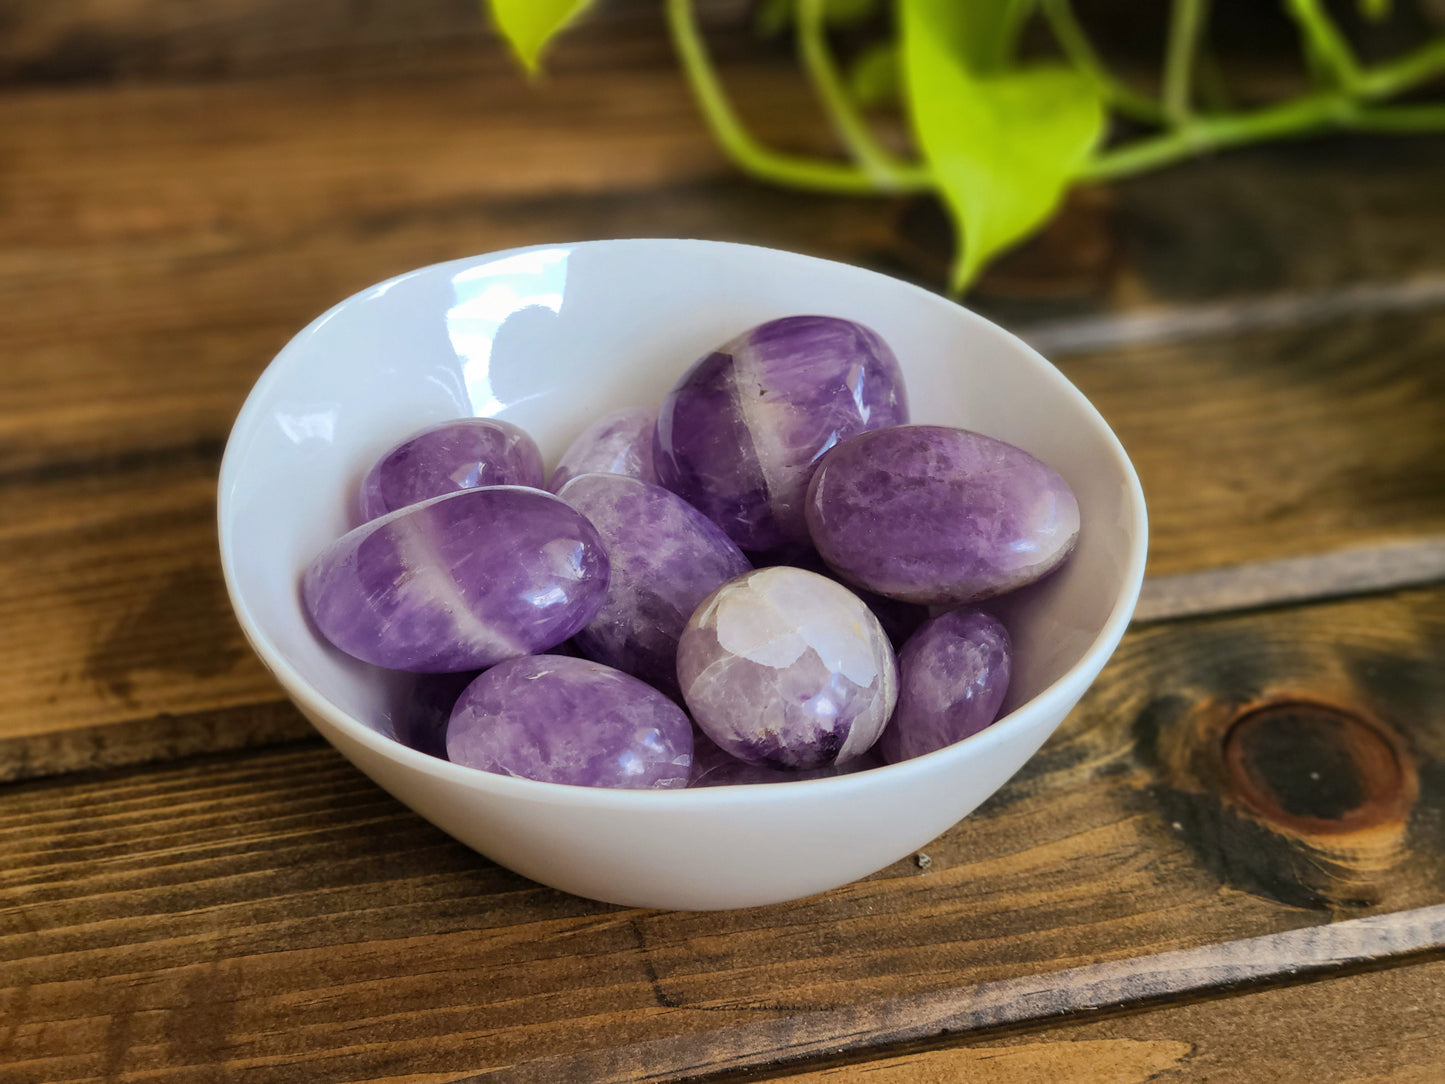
pixel 617 443
pixel 785 668
pixel 666 557
pixel 939 516
pixel 740 433
pixel 565 720
pixel 464 454
pixel 459 582
pixel 952 677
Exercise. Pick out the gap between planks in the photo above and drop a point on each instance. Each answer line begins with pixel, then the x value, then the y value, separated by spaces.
pixel 1117 331
pixel 1375 569
pixel 774 1043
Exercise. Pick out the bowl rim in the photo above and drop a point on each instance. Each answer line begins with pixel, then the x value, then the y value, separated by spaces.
pixel 314 704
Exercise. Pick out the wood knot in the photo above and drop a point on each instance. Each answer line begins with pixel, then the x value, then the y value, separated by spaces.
pixel 1299 799
pixel 1315 769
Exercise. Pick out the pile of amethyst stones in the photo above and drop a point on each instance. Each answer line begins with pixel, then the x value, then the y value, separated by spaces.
pixel 709 593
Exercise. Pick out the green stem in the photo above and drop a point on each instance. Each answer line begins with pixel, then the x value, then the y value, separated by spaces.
pixel 1400 118
pixel 1386 80
pixel 1325 42
pixel 1081 53
pixel 1203 134
pixel 1186 20
pixel 790 170
pixel 881 167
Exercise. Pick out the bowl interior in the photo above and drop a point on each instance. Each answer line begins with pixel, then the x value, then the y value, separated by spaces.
pixel 551 337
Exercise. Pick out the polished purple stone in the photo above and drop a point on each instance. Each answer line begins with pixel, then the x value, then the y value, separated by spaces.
pixel 666 557
pixel 952 677
pixel 939 516
pixel 420 719
pixel 564 720
pixel 459 582
pixel 785 668
pixel 464 454
pixel 616 443
pixel 739 435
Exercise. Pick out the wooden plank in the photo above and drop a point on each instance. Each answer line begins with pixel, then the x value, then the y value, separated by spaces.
pixel 1281 443
pixel 200 226
pixel 1385 1027
pixel 771 1043
pixel 158 923
pixel 100 40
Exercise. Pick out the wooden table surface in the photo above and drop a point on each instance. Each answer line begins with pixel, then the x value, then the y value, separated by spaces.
pixel 1229 863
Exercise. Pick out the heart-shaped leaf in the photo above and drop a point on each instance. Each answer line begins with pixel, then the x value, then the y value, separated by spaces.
pixel 1003 144
pixel 528 25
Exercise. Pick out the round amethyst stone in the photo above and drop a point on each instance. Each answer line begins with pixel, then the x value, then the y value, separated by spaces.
pixel 787 669
pixel 952 677
pixel 564 720
pixel 459 582
pixel 617 443
pixel 464 454
pixel 666 557
pixel 939 516
pixel 739 435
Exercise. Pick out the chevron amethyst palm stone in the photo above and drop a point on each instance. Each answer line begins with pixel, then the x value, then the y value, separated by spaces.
pixel 740 433
pixel 565 720
pixel 785 668
pixel 459 582
pixel 940 516
pixel 464 454
pixel 666 557
pixel 616 443
pixel 952 677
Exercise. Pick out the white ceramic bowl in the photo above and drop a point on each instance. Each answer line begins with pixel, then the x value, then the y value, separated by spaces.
pixel 549 338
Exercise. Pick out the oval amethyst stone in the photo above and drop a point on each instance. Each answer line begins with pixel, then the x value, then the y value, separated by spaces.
pixel 565 720
pixel 941 516
pixel 459 582
pixel 467 453
pixel 952 677
pixel 666 557
pixel 740 433
pixel 787 669
pixel 617 443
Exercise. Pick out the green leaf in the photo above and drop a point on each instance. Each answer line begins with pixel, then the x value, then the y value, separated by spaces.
pixel 985 33
pixel 1002 145
pixel 873 80
pixel 528 25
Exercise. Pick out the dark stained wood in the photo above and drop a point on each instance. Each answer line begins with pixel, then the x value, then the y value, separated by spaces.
pixel 1281 443
pixel 98 40
pixel 267 910
pixel 1385 1026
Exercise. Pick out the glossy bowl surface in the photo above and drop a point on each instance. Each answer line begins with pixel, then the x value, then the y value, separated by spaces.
pixel 550 338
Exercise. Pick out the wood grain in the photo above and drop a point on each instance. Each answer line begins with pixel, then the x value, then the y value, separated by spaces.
pixel 1381 1027
pixel 257 913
